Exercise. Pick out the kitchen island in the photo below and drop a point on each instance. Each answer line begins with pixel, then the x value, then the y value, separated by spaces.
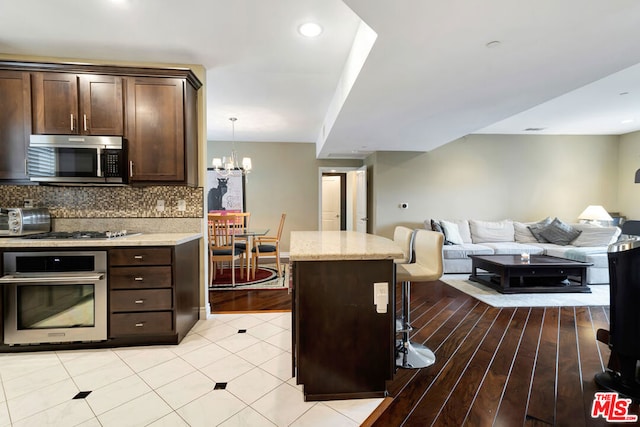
pixel 343 313
pixel 152 287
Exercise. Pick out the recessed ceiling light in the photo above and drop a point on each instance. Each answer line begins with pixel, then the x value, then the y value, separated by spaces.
pixel 310 29
pixel 627 121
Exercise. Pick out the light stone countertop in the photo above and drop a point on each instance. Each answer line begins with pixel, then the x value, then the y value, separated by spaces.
pixel 340 245
pixel 145 239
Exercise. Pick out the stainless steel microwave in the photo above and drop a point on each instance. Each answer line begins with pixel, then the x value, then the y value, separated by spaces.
pixel 73 159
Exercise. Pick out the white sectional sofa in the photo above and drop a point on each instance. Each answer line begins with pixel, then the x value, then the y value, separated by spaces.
pixel 579 242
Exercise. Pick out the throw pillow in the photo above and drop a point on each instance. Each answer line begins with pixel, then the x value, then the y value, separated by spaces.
pixel 451 232
pixel 559 232
pixel 539 226
pixel 435 226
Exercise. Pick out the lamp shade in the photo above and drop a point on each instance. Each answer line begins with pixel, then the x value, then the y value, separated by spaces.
pixel 595 213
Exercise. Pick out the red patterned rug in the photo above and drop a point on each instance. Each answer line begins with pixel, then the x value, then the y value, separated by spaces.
pixel 266 278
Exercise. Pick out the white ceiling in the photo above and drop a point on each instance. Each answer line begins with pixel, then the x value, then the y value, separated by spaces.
pixel 568 67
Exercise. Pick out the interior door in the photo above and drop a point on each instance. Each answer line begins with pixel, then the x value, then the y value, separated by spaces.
pixel 361 200
pixel 331 203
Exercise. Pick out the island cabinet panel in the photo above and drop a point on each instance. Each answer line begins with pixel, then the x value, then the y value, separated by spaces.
pixel 153 291
pixel 77 104
pixel 161 138
pixel 343 344
pixel 15 124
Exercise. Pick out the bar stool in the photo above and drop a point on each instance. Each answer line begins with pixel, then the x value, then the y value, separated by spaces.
pixel 427 246
pixel 403 237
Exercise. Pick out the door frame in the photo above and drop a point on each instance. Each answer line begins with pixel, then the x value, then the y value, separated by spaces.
pixel 323 170
pixel 343 196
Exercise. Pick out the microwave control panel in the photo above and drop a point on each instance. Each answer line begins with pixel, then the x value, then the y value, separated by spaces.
pixel 112 163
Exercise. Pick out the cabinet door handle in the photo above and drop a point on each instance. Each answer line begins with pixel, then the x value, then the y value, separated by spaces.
pixel 85 122
pixel 130 168
pixel 139 324
pixel 71 122
pixel 138 279
pixel 137 256
pixel 139 301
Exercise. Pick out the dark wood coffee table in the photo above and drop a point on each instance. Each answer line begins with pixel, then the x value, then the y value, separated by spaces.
pixel 542 274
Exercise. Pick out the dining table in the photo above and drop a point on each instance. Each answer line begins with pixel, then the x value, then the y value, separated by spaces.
pixel 249 233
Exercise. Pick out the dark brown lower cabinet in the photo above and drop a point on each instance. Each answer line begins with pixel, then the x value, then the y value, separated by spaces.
pixel 153 292
pixel 343 347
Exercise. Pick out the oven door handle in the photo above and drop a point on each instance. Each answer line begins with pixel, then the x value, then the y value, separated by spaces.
pixel 9 279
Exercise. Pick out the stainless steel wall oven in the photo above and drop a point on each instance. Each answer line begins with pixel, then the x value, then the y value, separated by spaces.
pixel 54 297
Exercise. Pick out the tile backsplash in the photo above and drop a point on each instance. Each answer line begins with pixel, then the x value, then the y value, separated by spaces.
pixel 107 202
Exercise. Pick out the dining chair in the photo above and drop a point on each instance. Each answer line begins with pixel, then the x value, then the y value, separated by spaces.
pixel 221 243
pixel 267 245
pixel 428 267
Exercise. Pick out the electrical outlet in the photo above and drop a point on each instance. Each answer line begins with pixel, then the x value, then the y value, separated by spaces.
pixel 182 205
pixel 160 205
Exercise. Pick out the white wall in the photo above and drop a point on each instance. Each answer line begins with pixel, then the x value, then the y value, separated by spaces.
pixel 493 177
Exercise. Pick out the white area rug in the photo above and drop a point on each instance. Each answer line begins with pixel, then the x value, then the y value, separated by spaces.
pixel 599 295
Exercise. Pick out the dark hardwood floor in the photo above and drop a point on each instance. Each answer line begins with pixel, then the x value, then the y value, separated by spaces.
pixel 249 300
pixel 494 366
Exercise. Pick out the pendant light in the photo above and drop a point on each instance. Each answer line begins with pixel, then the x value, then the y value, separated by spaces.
pixel 227 164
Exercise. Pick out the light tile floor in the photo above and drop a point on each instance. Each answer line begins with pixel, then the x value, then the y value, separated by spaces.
pixel 173 385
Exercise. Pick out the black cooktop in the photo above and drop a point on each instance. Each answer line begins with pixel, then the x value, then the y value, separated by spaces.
pixel 54 235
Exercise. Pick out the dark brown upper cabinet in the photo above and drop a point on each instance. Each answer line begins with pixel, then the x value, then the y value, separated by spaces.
pixel 161 130
pixel 77 104
pixel 15 124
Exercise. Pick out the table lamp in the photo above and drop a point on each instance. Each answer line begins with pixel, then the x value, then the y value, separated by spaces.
pixel 595 214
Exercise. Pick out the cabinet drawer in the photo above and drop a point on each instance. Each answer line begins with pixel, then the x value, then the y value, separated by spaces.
pixel 140 256
pixel 141 299
pixel 141 323
pixel 140 277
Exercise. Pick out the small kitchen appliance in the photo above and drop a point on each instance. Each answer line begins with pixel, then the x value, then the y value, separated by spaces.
pixel 16 222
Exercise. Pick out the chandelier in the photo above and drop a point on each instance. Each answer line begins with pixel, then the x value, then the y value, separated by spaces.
pixel 226 165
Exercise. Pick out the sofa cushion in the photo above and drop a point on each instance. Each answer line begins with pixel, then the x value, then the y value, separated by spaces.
pixel 463 251
pixel 491 231
pixel 593 235
pixel 522 234
pixel 513 248
pixel 594 255
pixel 559 232
pixel 451 232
